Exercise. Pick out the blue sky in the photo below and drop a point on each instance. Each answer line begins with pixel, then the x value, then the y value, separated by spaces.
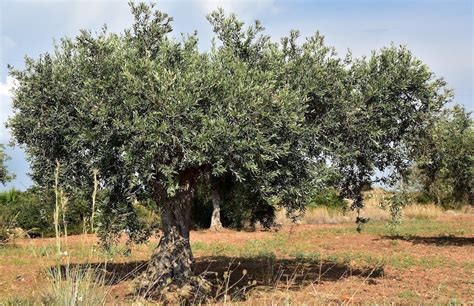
pixel 438 32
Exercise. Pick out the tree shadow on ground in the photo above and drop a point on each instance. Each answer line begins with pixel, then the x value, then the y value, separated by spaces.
pixel 435 240
pixel 237 276
pixel 267 272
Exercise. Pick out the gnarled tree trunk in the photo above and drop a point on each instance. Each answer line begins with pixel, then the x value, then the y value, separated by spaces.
pixel 216 209
pixel 170 271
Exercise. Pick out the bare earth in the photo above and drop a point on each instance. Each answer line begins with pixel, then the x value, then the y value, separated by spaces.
pixel 430 261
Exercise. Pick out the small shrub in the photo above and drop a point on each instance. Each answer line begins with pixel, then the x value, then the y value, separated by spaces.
pixel 424 198
pixel 327 198
pixel 7 223
pixel 34 208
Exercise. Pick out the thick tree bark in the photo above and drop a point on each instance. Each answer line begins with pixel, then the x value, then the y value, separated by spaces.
pixel 216 224
pixel 170 270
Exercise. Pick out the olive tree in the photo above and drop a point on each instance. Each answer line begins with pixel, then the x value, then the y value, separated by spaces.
pixel 445 160
pixel 154 115
pixel 157 117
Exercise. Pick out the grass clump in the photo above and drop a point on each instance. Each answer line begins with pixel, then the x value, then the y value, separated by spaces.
pixel 75 285
pixel 70 284
pixel 17 300
pixel 302 256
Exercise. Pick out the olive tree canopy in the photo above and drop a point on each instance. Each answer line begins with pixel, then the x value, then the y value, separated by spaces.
pixel 154 115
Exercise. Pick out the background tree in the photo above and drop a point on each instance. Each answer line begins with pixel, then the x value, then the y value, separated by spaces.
pixel 444 165
pixel 239 207
pixel 365 116
pixel 5 176
pixel 393 99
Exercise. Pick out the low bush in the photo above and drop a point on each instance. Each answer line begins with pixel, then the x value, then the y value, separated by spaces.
pixel 33 210
pixel 6 224
pixel 327 198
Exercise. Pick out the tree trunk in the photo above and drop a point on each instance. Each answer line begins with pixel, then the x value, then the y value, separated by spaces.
pixel 170 271
pixel 216 224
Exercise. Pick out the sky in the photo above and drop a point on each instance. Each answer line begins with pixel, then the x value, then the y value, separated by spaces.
pixel 440 33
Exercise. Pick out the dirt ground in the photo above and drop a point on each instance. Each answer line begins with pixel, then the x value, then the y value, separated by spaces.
pixel 427 261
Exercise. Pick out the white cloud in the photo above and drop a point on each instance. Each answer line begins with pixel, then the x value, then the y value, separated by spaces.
pixel 5 107
pixel 7 87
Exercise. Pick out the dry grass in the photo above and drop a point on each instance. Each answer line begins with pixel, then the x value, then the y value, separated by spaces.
pixel 73 285
pixel 427 211
pixel 372 210
pixel 324 215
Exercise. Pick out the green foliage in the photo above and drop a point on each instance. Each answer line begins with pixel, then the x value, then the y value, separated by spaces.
pixel 147 215
pixel 33 210
pixel 202 207
pixel 9 196
pixel 328 198
pixel 364 115
pixel 445 163
pixel 394 203
pixel 148 108
pixel 393 101
pixel 30 208
pixel 239 207
pixel 4 175
pixel 423 198
pixel 7 222
pixel 148 111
